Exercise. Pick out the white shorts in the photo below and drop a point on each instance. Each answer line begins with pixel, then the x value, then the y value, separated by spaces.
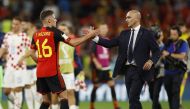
pixel 13 78
pixel 69 80
pixel 30 76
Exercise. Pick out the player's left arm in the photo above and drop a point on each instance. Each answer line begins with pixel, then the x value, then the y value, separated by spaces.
pixel 32 51
pixel 76 41
pixel 33 55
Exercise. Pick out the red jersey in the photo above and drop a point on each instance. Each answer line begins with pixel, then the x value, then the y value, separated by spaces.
pixel 46 42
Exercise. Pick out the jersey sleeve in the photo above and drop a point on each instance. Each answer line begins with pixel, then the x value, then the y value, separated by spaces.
pixel 33 45
pixel 60 36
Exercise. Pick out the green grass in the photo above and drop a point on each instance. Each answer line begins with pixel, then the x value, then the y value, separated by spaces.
pixel 125 105
pixel 109 105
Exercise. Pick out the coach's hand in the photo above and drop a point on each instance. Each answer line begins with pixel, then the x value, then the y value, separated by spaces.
pixel 148 65
pixel 93 33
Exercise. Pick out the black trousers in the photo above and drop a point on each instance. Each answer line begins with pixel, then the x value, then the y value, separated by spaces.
pixel 134 84
pixel 172 85
pixel 154 90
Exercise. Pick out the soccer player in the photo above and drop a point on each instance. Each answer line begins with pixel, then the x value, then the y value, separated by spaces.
pixel 33 99
pixel 14 46
pixel 66 62
pixel 46 43
pixel 101 71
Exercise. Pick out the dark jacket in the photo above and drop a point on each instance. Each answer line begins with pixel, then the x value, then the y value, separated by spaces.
pixel 145 43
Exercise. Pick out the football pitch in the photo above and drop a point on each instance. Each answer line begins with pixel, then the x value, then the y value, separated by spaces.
pixel 109 105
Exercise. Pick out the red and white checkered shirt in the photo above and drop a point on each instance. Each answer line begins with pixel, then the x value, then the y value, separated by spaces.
pixel 16 45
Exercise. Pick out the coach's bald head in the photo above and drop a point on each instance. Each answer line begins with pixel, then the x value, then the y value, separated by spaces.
pixel 133 18
pixel 136 13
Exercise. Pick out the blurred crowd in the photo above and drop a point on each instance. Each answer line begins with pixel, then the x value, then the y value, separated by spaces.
pixel 85 13
pixel 93 12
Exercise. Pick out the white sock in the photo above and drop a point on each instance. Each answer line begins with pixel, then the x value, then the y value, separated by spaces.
pixel 29 98
pixel 73 107
pixel 18 100
pixel 55 106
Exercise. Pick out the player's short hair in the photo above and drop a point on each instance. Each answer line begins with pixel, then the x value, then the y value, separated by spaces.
pixel 45 13
pixel 17 18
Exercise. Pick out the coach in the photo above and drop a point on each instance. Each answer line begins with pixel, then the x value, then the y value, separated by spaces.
pixel 134 60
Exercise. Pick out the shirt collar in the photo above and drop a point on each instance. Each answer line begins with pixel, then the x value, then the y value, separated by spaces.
pixel 136 28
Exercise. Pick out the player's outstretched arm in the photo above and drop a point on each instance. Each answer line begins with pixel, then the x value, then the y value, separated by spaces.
pixel 78 41
pixel 91 34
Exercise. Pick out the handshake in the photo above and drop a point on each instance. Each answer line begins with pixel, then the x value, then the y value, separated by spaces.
pixel 102 30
